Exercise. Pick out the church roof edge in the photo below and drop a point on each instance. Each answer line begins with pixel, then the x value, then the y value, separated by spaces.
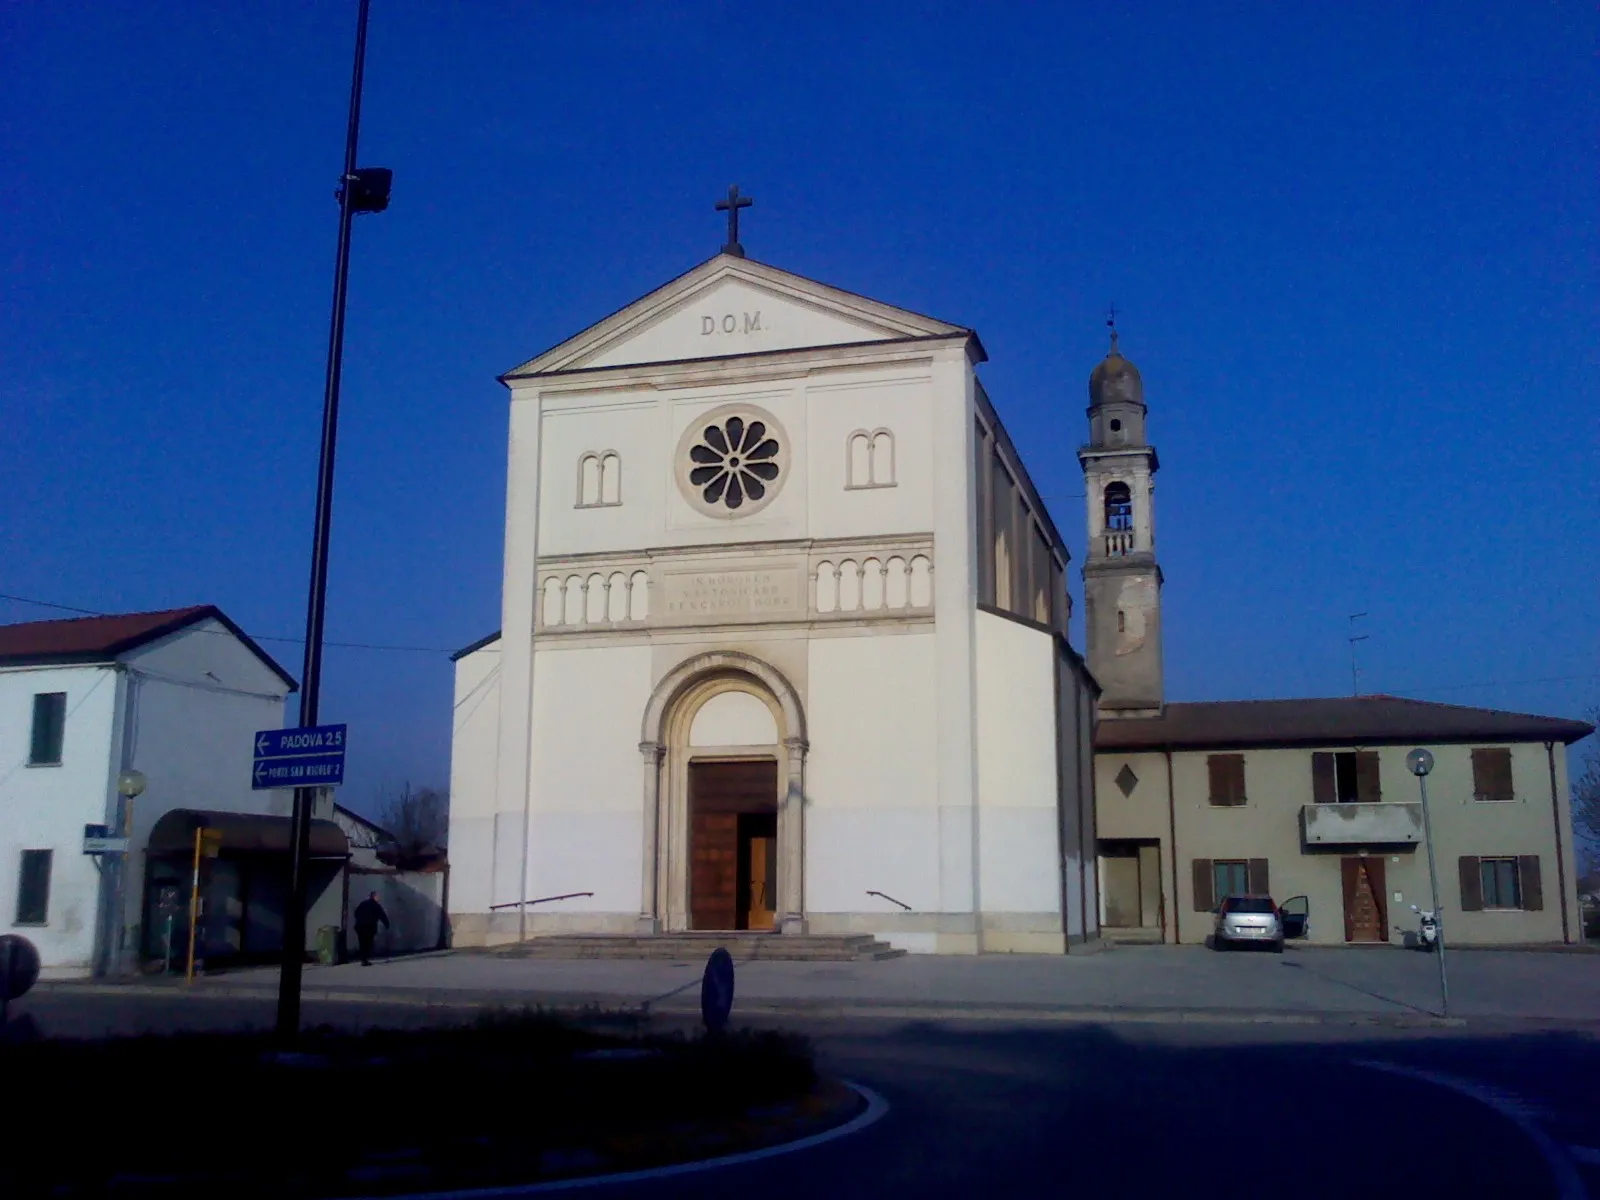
pixel 475 646
pixel 1373 720
pixel 910 325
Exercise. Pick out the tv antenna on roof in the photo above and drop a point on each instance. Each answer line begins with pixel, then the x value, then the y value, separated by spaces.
pixel 1355 669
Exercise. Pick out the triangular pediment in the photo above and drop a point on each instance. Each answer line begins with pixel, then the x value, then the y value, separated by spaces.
pixel 731 306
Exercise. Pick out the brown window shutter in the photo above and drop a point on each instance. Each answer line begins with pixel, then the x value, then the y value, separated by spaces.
pixel 1368 788
pixel 1256 873
pixel 1322 777
pixel 1471 884
pixel 1204 886
pixel 1227 778
pixel 1528 879
pixel 1491 774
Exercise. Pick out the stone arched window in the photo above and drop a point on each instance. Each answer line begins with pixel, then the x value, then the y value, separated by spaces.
pixel 869 459
pixel 599 479
pixel 1119 508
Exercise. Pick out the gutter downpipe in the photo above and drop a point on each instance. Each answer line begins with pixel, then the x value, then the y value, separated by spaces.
pixel 1172 826
pixel 1561 854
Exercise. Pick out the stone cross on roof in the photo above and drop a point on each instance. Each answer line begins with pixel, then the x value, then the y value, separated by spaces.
pixel 731 206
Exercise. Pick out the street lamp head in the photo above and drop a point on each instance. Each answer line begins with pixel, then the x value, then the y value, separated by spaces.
pixel 1419 762
pixel 130 783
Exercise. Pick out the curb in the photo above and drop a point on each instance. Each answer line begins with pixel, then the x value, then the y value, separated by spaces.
pixel 819 1009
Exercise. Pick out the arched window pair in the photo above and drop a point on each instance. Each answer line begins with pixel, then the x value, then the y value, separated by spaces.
pixel 599 479
pixel 870 461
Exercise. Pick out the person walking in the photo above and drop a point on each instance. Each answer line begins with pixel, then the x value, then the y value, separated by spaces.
pixel 368 914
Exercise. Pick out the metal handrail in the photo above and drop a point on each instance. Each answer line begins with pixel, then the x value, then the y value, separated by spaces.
pixel 890 899
pixel 540 900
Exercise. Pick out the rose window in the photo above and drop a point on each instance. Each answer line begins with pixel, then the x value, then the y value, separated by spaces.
pixel 735 462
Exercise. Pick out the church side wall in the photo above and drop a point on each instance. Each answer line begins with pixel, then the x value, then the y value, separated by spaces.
pixel 872 795
pixel 474 745
pixel 1018 782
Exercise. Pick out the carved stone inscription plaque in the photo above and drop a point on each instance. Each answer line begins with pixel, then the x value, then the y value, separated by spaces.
pixel 707 597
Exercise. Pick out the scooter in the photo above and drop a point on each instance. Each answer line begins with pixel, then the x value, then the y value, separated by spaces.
pixel 1428 928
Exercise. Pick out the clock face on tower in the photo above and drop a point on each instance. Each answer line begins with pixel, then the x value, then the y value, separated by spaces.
pixel 731 462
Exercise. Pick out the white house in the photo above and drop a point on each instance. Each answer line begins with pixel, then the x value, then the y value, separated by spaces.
pixel 175 695
pixel 783 640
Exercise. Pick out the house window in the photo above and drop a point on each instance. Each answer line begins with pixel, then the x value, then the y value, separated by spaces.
pixel 33 887
pixel 1217 879
pixel 1119 507
pixel 1504 882
pixel 1227 779
pixel 1345 777
pixel 1229 877
pixel 1491 774
pixel 49 727
pixel 1499 878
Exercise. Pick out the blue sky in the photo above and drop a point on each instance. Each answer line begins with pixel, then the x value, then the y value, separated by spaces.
pixel 1354 247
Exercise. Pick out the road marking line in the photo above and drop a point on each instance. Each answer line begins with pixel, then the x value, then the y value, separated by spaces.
pixel 1569 1184
pixel 877 1108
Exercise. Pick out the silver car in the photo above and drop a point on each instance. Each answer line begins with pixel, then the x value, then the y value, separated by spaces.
pixel 1245 920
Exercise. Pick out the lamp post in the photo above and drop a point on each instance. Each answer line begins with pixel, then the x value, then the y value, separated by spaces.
pixel 1420 762
pixel 361 190
pixel 130 786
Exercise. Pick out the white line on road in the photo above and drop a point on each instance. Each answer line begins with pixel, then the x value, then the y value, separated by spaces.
pixel 877 1108
pixel 1569 1185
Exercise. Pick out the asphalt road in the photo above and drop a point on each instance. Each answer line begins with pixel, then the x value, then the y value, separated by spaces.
pixel 999 1109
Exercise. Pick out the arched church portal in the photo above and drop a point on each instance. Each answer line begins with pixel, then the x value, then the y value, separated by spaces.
pixel 723 744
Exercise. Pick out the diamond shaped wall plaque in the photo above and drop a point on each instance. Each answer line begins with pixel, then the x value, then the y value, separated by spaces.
pixel 1127 780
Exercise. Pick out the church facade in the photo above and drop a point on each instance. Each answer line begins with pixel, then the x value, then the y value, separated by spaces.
pixel 783 640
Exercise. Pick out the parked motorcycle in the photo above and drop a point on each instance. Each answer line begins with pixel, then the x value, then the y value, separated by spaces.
pixel 1427 929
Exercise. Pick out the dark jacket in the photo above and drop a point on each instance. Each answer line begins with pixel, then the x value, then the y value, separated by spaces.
pixel 368 913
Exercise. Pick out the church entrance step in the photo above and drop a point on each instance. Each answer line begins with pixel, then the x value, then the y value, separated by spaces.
pixel 744 947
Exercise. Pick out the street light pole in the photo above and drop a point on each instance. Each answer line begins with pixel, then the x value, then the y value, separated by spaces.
pixel 351 200
pixel 1420 762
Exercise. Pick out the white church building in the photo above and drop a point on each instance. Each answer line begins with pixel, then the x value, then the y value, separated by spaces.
pixel 783 640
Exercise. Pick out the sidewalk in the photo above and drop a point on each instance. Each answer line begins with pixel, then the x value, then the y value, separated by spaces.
pixel 1127 982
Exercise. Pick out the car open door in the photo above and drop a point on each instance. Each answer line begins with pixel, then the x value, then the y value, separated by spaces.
pixel 1295 913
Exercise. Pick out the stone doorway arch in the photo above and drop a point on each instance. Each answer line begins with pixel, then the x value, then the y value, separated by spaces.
pixel 664 745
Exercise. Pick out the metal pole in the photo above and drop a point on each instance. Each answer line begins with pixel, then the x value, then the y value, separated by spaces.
pixel 194 904
pixel 1438 916
pixel 294 923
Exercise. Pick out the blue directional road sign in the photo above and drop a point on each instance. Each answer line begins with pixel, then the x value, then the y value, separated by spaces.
pixel 311 757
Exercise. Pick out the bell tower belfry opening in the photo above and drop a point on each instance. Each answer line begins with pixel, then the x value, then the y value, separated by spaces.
pixel 1121 579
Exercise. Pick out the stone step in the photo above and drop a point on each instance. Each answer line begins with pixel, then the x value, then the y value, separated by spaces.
pixel 1141 936
pixel 744 947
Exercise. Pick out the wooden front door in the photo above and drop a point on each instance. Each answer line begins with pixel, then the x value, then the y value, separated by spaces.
pixel 758 869
pixel 1122 890
pixel 733 827
pixel 1366 917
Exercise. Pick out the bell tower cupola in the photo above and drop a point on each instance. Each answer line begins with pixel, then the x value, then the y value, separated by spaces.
pixel 1121 579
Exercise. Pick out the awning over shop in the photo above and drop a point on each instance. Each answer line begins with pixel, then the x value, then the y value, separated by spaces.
pixel 242 833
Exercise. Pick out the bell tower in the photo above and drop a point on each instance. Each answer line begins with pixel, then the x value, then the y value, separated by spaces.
pixel 1121 581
